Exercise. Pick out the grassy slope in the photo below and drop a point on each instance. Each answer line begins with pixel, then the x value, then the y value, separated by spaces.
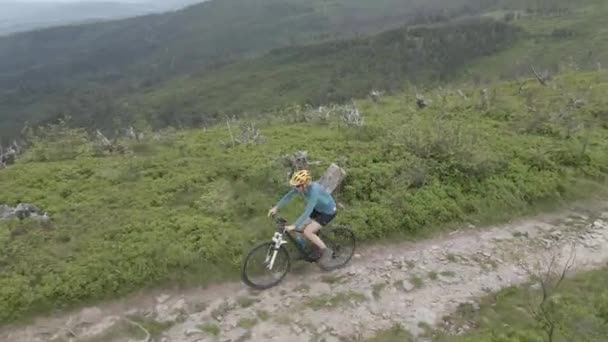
pixel 187 207
pixel 580 311
pixel 584 47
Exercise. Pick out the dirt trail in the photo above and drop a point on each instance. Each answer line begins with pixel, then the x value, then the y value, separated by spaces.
pixel 406 283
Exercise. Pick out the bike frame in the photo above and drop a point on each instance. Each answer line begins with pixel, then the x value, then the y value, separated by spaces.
pixel 279 240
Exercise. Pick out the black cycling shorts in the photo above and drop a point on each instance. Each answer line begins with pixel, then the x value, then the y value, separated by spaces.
pixel 321 218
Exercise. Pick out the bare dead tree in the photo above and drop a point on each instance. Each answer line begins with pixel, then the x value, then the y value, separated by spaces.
pixel 230 131
pixel 148 337
pixel 102 139
pixel 250 135
pixel 521 86
pixel 352 117
pixel 462 94
pixel 485 98
pixel 542 79
pixel 7 156
pixel 421 102
pixel 376 95
pixel 549 276
pixel 298 161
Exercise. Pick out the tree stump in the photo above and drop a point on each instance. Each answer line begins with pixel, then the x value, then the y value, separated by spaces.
pixel 332 178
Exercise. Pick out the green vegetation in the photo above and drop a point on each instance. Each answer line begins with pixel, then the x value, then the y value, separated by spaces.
pixel 341 298
pixel 377 290
pixel 417 281
pixel 578 308
pixel 185 206
pixel 395 334
pixel 570 36
pixel 210 328
pixel 263 315
pixel 246 302
pixel 332 278
pixel 247 323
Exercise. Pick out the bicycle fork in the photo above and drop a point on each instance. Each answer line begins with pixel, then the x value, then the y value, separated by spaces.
pixel 278 242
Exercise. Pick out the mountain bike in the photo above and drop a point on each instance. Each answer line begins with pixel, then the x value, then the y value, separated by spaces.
pixel 276 260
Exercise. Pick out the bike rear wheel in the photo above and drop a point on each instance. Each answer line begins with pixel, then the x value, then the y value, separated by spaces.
pixel 342 242
pixel 256 264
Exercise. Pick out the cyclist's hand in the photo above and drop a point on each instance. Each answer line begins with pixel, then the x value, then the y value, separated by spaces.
pixel 273 211
pixel 290 228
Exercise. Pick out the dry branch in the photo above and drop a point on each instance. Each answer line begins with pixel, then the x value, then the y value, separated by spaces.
pixel 148 336
pixel 542 79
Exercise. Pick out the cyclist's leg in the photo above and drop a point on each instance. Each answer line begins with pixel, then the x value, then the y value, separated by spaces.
pixel 317 221
pixel 310 232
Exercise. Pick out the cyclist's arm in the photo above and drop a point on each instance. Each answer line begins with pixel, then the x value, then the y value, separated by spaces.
pixel 286 198
pixel 314 197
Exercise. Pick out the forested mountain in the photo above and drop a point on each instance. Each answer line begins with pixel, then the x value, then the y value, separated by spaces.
pixel 333 72
pixel 43 72
pixel 232 56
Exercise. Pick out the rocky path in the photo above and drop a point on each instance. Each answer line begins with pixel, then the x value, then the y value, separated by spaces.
pixel 406 283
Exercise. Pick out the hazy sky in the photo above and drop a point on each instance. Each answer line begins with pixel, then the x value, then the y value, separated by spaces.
pixel 1 1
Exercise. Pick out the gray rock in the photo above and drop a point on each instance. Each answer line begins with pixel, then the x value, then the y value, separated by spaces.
pixel 407 286
pixel 297 329
pixel 180 305
pixel 89 315
pixel 192 331
pixel 5 211
pixel 166 313
pixel 99 327
pixel 556 234
pixel 22 211
pixel 162 298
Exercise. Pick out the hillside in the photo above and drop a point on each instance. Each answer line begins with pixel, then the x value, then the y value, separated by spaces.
pixel 175 75
pixel 557 41
pixel 79 70
pixel 465 50
pixel 183 206
pixel 326 73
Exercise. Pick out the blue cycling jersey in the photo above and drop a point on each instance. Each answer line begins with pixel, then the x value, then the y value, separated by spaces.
pixel 316 198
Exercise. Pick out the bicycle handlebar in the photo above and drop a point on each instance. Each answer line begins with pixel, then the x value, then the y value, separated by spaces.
pixel 279 221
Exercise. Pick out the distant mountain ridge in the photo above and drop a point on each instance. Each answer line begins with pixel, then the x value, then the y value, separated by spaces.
pixel 31 15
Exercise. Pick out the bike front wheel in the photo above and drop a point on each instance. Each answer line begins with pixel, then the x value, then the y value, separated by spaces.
pixel 265 266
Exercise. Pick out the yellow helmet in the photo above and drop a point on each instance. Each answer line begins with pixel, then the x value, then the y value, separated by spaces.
pixel 300 177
